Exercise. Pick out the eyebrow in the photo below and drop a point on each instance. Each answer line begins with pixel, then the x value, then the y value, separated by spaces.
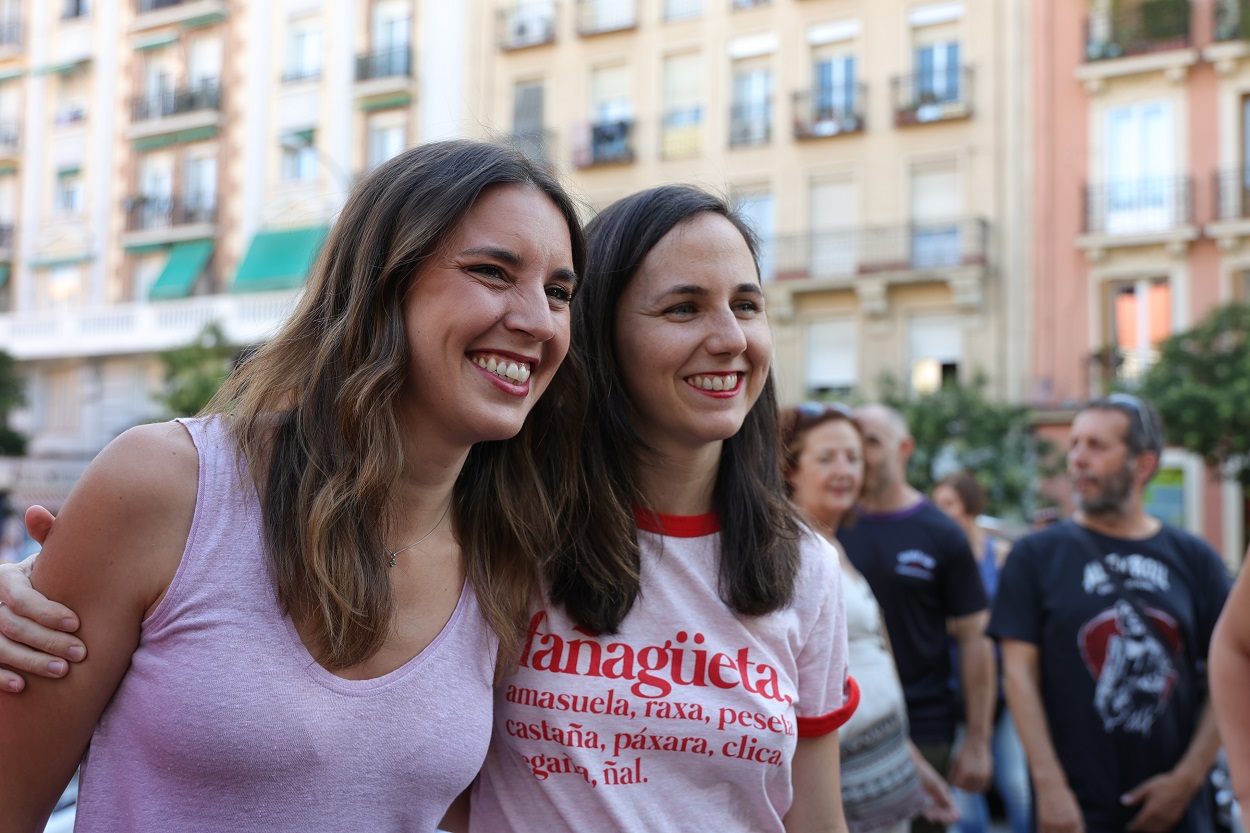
pixel 693 289
pixel 515 261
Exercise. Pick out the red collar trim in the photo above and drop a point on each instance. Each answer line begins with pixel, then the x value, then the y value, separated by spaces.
pixel 676 526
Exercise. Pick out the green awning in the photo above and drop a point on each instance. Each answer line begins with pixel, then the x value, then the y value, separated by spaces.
pixel 5 269
pixel 154 41
pixel 68 170
pixel 386 102
pixel 186 261
pixel 10 74
pixel 62 68
pixel 195 134
pixel 279 259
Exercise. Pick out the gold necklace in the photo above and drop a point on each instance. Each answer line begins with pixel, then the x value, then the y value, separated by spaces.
pixel 437 524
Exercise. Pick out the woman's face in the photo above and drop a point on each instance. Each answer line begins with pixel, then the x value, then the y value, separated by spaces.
pixel 947 499
pixel 692 338
pixel 487 319
pixel 829 472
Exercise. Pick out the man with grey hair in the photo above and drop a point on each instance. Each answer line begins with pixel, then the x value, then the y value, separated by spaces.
pixel 919 565
pixel 1104 622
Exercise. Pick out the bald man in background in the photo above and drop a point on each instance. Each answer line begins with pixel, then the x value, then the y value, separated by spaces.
pixel 926 580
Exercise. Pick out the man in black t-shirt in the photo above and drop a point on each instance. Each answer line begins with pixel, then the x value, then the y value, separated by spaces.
pixel 924 575
pixel 1105 622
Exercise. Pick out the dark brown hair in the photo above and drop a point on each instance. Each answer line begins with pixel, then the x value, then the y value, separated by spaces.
pixel 798 420
pixel 970 491
pixel 595 572
pixel 314 414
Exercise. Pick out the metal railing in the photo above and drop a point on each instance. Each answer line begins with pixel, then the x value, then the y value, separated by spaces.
pixel 1232 20
pixel 528 23
pixel 829 111
pixel 611 143
pixel 10 136
pixel 154 5
pixel 751 124
pixel 596 16
pixel 1138 206
pixel 1232 194
pixel 11 33
pixel 875 249
pixel 932 96
pixel 1149 26
pixel 292 75
pixel 387 63
pixel 165 103
pixel 146 213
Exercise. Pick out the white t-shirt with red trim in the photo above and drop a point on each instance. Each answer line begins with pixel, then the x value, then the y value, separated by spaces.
pixel 686 719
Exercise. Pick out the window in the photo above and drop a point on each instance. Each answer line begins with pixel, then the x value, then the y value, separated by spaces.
pixel 1141 192
pixel 62 287
pixel 682 9
pixel 938 73
pixel 832 365
pixel 611 115
pixel 936 203
pixel 834 238
pixel 758 210
pixel 528 127
pixel 392 26
pixel 204 62
pixel 76 8
pixel 387 136
pixel 299 160
pixel 154 206
pixel 147 268
pixel 68 198
pixel 71 104
pixel 528 23
pixel 303 51
pixel 605 15
pixel 683 105
pixel 935 350
pixel 199 202
pixel 751 117
pixel 1139 317
pixel 835 93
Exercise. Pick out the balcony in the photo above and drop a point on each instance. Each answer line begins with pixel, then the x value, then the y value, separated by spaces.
pixel 153 13
pixel 166 218
pixel 1232 20
pixel 1232 207
pixel 526 24
pixel 173 111
pixel 141 327
pixel 70 115
pixel 10 139
pixel 1138 212
pixel 751 124
pixel 611 143
pixel 386 73
pixel 1138 28
pixel 870 259
pixel 298 75
pixel 832 111
pixel 596 17
pixel 930 97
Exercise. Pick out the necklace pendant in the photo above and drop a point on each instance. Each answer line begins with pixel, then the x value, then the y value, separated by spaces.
pixel 393 558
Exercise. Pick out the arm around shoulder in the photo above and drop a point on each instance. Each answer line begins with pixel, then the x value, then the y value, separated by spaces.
pixel 111 555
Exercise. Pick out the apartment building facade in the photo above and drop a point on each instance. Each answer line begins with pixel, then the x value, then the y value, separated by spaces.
pixel 165 164
pixel 1141 222
pixel 877 147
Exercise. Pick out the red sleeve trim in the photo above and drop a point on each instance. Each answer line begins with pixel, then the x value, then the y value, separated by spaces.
pixel 676 526
pixel 815 727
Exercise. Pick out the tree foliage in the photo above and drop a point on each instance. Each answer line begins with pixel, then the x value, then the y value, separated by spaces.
pixel 194 373
pixel 12 397
pixel 957 427
pixel 1201 386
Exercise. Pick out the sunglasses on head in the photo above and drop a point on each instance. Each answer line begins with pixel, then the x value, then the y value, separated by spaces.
pixel 817 410
pixel 1129 402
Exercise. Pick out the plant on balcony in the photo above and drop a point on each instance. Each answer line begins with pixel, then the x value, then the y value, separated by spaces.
pixel 12 397
pixel 1164 19
pixel 194 373
pixel 1201 386
pixel 959 427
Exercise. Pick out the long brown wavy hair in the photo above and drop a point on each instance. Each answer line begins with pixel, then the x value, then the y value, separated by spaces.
pixel 313 412
pixel 595 574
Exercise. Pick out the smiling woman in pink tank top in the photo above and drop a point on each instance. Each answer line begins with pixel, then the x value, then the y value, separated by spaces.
pixel 293 603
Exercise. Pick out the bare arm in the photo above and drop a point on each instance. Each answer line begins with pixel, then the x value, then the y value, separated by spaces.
pixel 1230 680
pixel 1164 797
pixel 973 768
pixel 817 780
pixel 112 554
pixel 1057 810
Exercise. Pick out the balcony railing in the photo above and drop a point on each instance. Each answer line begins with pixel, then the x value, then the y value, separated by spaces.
pixel 828 111
pixel 293 75
pixel 875 249
pixel 73 114
pixel 596 16
pixel 148 213
pixel 11 33
pixel 166 103
pixel 933 96
pixel 1138 206
pixel 611 143
pixel 536 144
pixel 527 24
pixel 388 63
pixel 154 5
pixel 6 235
pixel 1148 26
pixel 10 136
pixel 1232 194
pixel 751 124
pixel 1232 20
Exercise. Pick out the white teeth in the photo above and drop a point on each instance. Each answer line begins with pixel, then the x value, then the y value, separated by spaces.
pixel 716 383
pixel 491 365
pixel 512 371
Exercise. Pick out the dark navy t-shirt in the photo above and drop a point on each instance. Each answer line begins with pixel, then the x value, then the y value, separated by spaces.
pixel 922 571
pixel 1122 698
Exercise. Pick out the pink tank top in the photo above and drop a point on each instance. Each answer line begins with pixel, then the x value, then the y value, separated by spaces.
pixel 225 722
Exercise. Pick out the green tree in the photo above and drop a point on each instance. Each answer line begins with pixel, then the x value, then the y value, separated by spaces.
pixel 12 396
pixel 957 427
pixel 194 373
pixel 1201 386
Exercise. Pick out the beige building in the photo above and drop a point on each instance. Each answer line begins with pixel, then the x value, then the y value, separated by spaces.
pixel 878 148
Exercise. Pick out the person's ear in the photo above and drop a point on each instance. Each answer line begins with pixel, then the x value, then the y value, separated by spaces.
pixel 1145 465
